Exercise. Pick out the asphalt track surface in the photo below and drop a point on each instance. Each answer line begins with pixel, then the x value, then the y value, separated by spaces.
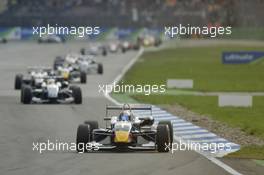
pixel 21 125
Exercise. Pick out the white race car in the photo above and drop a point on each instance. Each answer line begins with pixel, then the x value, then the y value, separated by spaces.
pixel 89 65
pixel 52 90
pixel 81 63
pixel 114 47
pixel 51 39
pixel 95 50
pixel 33 78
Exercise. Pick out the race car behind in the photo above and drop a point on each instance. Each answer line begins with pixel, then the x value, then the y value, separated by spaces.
pixel 34 77
pixel 52 90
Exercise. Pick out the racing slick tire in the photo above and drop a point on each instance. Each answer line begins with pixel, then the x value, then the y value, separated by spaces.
pixel 18 81
pixel 163 138
pixel 100 68
pixel 26 94
pixel 170 128
pixel 77 94
pixel 93 125
pixel 4 40
pixel 83 77
pixel 57 62
pixel 104 52
pixel 82 51
pixel 83 137
pixel 123 50
pixel 136 47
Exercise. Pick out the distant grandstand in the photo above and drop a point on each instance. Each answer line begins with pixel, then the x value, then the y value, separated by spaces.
pixel 131 13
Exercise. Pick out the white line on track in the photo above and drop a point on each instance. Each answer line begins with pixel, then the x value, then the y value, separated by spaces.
pixel 211 158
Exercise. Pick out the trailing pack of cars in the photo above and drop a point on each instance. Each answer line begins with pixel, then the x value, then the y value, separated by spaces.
pixel 44 85
pixel 54 85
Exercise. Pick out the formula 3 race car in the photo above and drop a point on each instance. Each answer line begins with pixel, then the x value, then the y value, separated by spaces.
pixel 81 63
pixel 149 40
pixel 72 73
pixel 33 78
pixel 51 39
pixel 52 90
pixel 95 50
pixel 126 131
pixel 129 45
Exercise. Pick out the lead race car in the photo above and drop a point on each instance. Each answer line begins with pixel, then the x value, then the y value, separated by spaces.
pixel 53 89
pixel 125 131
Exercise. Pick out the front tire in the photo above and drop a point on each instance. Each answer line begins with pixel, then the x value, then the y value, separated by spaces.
pixel 163 138
pixel 26 95
pixel 83 137
pixel 83 77
pixel 170 128
pixel 77 94
pixel 100 69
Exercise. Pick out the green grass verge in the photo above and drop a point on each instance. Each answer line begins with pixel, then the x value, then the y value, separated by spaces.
pixel 250 120
pixel 203 65
pixel 249 152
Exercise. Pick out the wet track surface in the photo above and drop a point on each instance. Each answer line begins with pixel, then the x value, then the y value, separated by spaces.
pixel 21 125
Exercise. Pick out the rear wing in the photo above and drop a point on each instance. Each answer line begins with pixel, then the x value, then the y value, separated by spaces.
pixel 56 77
pixel 143 108
pixel 45 69
pixel 128 107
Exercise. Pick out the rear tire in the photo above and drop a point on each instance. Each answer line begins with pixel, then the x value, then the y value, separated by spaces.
pixel 83 77
pixel 170 128
pixel 4 40
pixel 77 94
pixel 57 62
pixel 18 81
pixel 26 94
pixel 123 50
pixel 82 51
pixel 100 69
pixel 83 135
pixel 162 138
pixel 104 52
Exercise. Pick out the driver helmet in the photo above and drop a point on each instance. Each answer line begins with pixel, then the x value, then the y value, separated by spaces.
pixel 51 81
pixel 125 116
